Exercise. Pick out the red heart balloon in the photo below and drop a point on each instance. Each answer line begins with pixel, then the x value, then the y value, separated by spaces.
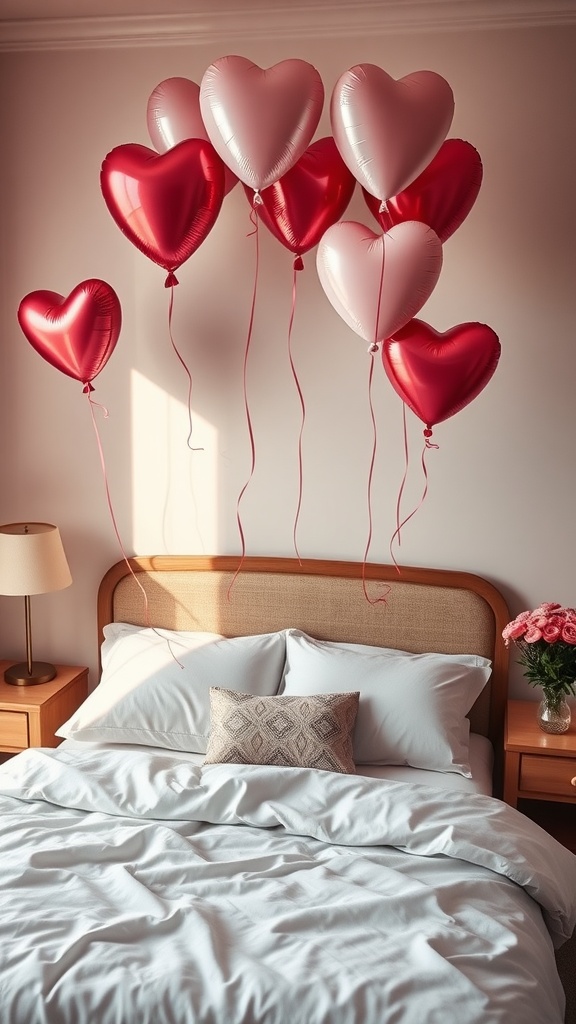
pixel 77 334
pixel 441 196
pixel 308 199
pixel 437 374
pixel 165 203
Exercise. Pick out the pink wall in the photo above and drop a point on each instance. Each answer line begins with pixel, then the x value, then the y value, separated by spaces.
pixel 501 486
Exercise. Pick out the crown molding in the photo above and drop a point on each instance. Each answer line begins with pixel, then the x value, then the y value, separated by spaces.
pixel 312 19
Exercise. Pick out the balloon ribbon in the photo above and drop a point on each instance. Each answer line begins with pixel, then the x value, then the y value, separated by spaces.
pixel 170 283
pixel 254 221
pixel 381 599
pixel 428 443
pixel 297 266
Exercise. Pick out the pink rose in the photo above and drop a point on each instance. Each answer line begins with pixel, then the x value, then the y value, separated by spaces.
pixel 552 631
pixel 537 621
pixel 532 634
pixel 569 632
pixel 514 630
pixel 547 606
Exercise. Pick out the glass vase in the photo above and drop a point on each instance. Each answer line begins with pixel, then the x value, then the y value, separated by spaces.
pixel 554 713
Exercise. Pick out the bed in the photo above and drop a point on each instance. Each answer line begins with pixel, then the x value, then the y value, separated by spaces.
pixel 281 805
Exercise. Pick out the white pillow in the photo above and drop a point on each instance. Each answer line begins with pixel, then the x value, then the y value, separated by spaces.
pixel 155 684
pixel 413 707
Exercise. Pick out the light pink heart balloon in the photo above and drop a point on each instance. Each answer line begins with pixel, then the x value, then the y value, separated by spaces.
pixel 438 374
pixel 173 115
pixel 389 130
pixel 354 265
pixel 259 121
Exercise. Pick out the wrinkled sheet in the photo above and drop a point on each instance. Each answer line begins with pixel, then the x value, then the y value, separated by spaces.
pixel 139 888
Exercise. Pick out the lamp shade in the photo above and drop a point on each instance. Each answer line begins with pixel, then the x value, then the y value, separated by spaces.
pixel 32 559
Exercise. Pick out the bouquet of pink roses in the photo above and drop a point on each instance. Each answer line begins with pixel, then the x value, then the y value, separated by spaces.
pixel 546 640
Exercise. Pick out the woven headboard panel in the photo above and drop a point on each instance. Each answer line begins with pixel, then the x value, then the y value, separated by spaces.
pixel 424 609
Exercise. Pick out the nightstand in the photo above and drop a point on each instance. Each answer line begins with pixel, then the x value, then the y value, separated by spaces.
pixel 30 715
pixel 540 772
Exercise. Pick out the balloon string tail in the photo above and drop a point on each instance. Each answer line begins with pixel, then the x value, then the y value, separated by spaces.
pixel 302 411
pixel 427 446
pixel 381 598
pixel 185 367
pixel 250 428
pixel 404 477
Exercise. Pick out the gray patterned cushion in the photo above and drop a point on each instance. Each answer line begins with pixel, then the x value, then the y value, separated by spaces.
pixel 314 731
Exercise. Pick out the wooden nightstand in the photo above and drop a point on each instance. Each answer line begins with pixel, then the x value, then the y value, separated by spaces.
pixel 30 715
pixel 540 772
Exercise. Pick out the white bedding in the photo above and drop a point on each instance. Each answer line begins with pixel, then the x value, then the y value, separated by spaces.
pixel 481 756
pixel 138 888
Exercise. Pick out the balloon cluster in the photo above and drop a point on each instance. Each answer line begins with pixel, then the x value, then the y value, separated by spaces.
pixel 253 125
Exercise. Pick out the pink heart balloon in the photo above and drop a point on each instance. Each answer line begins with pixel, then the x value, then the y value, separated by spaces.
pixel 378 282
pixel 173 115
pixel 165 204
pixel 76 334
pixel 260 121
pixel 441 196
pixel 437 374
pixel 387 131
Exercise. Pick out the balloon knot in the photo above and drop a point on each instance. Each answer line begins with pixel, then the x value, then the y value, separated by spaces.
pixel 298 263
pixel 257 201
pixel 87 388
pixel 427 435
pixel 171 280
pixel 383 208
pixel 373 349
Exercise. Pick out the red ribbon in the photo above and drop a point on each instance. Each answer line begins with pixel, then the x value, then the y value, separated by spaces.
pixel 373 349
pixel 254 232
pixel 399 525
pixel 183 363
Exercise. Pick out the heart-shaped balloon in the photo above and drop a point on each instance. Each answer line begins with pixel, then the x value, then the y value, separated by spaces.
pixel 308 199
pixel 260 121
pixel 173 115
pixel 378 282
pixel 441 196
pixel 76 334
pixel 167 203
pixel 388 130
pixel 437 374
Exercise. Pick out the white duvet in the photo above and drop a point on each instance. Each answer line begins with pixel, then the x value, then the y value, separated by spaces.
pixel 141 889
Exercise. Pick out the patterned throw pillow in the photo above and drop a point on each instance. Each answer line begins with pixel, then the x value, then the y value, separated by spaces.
pixel 314 731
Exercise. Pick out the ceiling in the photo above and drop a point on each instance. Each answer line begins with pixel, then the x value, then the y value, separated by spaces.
pixel 28 10
pixel 69 24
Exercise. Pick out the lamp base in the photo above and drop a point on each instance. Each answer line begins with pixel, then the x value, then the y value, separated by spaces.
pixel 18 675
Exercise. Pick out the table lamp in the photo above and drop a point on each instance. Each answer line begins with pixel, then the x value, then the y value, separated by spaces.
pixel 32 561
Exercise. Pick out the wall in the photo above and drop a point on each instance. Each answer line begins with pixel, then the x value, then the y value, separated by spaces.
pixel 501 492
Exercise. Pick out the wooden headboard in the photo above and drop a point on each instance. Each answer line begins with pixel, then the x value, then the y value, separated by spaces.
pixel 424 609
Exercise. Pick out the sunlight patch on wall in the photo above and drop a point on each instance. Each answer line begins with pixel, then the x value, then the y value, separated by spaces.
pixel 175 489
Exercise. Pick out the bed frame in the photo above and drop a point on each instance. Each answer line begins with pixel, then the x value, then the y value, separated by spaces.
pixel 411 609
